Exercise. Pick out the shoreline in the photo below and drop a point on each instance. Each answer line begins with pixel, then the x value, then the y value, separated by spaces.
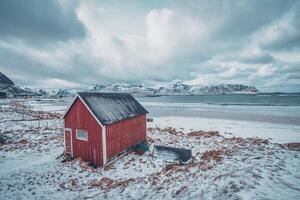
pixel 276 133
pixel 224 165
pixel 180 111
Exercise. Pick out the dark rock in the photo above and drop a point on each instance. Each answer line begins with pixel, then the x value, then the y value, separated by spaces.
pixel 4 80
pixel 9 90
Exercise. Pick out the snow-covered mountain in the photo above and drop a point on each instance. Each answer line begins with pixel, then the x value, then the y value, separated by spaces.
pixel 174 88
pixel 135 89
pixel 177 87
pixel 8 89
pixel 35 91
pixel 224 89
pixel 62 92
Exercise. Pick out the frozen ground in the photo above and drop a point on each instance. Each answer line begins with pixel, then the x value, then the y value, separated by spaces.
pixel 281 124
pixel 222 167
pixel 277 133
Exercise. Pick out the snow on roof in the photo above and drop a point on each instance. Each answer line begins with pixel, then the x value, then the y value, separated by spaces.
pixel 112 107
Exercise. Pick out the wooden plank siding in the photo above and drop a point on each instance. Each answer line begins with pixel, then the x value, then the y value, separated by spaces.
pixel 124 134
pixel 79 118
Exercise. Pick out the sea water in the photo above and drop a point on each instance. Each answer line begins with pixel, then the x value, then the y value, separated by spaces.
pixel 268 116
pixel 273 108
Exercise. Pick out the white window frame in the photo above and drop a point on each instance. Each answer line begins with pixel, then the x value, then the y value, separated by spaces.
pixel 78 138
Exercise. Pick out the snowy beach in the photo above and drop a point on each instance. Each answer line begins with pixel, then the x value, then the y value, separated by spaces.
pixel 243 160
pixel 242 115
pixel 143 100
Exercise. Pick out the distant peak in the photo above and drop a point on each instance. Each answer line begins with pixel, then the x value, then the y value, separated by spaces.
pixel 176 87
pixel 4 80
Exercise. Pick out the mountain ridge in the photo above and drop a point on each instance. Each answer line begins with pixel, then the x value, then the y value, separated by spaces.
pixel 9 90
pixel 174 88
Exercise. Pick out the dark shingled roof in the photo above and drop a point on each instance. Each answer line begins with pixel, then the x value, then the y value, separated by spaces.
pixel 112 107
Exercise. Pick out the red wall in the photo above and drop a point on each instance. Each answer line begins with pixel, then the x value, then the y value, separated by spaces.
pixel 124 134
pixel 79 117
pixel 119 136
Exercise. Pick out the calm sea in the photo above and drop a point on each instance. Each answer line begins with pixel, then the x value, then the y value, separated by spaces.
pixel 274 108
pixel 232 99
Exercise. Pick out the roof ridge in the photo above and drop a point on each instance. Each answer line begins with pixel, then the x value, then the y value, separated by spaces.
pixel 112 107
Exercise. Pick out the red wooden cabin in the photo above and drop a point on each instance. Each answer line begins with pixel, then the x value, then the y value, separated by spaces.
pixel 99 126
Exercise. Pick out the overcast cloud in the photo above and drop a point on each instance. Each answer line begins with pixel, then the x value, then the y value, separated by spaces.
pixel 63 43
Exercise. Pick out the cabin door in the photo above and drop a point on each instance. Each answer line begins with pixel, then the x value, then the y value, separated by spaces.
pixel 68 143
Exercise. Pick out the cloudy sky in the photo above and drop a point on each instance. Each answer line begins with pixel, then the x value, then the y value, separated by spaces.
pixel 64 43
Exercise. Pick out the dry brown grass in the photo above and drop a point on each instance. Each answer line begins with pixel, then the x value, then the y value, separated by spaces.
pixel 19 107
pixel 149 139
pixel 107 183
pixel 23 141
pixel 150 129
pixel 205 134
pixel 170 130
pixel 225 148
pixel 83 164
pixel 216 155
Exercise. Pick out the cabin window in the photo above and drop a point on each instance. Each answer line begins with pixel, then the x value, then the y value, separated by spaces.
pixel 81 135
